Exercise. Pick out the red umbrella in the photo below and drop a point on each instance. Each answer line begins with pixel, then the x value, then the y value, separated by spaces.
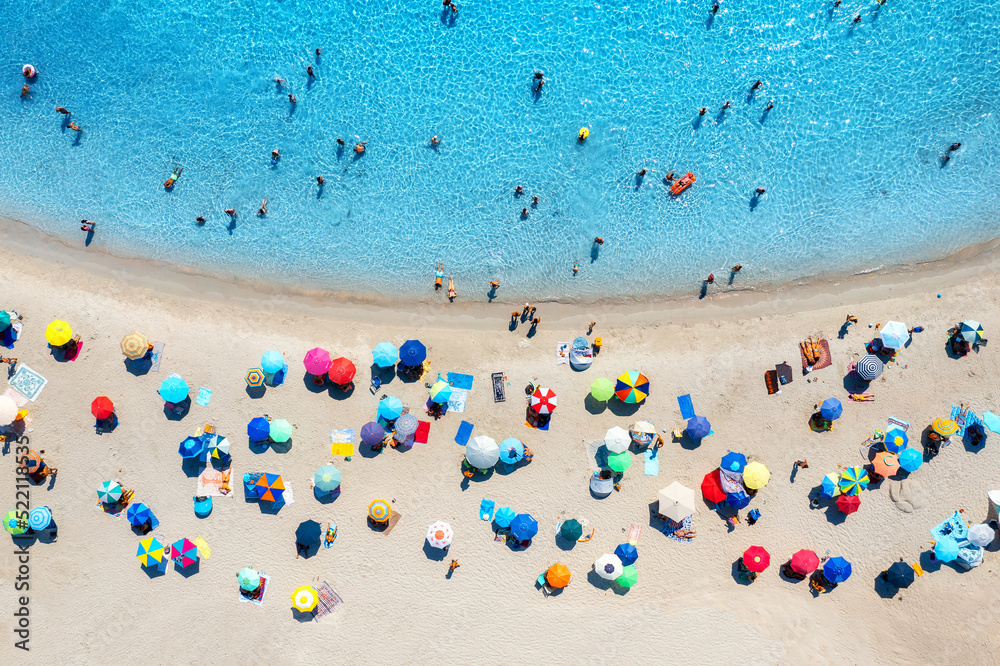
pixel 848 503
pixel 342 371
pixel 102 407
pixel 756 559
pixel 543 400
pixel 711 487
pixel 804 562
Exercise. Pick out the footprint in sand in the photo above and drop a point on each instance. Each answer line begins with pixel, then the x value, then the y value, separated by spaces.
pixel 907 495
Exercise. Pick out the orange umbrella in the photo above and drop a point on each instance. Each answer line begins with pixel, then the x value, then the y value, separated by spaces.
pixel 557 575
pixel 885 464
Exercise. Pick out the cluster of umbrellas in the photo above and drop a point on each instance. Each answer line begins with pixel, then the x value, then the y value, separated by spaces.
pixel 278 430
pixel 521 525
pixel 318 362
pixel 483 452
pixel 804 562
pixel 39 518
pixel 733 477
pixel 193 447
pixel 619 566
pixel 184 553
pixel 631 387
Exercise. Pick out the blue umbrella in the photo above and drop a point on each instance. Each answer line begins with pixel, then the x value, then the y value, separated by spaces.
pixel 504 516
pixel 511 450
pixel 738 500
pixel 734 462
pixel 390 408
pixel 385 355
pixel 910 459
pixel 191 447
pixel 271 362
pixel 946 550
pixel 698 427
pixel 831 409
pixel 39 518
pixel 627 553
pixel 372 433
pixel 173 389
pixel 830 485
pixel 138 514
pixel 412 353
pixel 523 527
pixel 900 574
pixel 837 570
pixel 259 429
pixel 895 440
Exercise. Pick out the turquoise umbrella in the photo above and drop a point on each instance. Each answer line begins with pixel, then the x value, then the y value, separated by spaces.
pixel 326 479
pixel 385 355
pixel 390 408
pixel 511 450
pixel 946 550
pixel 173 389
pixel 272 361
pixel 503 516
pixel 910 459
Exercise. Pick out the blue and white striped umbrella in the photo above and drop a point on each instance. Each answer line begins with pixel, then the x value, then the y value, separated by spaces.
pixel 869 367
pixel 39 518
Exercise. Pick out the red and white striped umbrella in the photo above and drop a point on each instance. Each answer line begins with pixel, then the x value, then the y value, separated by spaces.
pixel 543 400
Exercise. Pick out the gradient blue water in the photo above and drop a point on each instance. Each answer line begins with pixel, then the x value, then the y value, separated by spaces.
pixel 849 155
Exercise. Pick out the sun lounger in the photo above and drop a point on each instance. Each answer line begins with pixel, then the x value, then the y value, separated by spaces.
pixel 499 395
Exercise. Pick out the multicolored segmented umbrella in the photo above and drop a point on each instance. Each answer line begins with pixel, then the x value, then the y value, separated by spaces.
pixel 441 392
pixel 379 510
pixel 853 480
pixel 971 331
pixel 558 576
pixel 632 387
pixel 109 492
pixel 305 598
pixel 150 550
pixel 135 346
pixel 255 377
pixel 440 534
pixel 543 400
pixel 32 462
pixel 219 449
pixel 756 559
pixel 270 487
pixel 896 440
pixel 184 553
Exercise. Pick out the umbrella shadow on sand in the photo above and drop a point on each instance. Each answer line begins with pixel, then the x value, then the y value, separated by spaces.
pixel 435 554
pixel 256 392
pixel 139 367
pixel 384 375
pixel 159 570
pixel 738 574
pixel 883 588
pixel 299 616
pixel 324 497
pixel 619 408
pixel 598 582
pixel 179 411
pixel 595 406
pixel 191 466
pixel 190 569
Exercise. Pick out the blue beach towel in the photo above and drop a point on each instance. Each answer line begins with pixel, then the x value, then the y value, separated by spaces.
pixel 970 419
pixel 461 381
pixel 651 462
pixel 464 432
pixel 669 527
pixel 687 407
pixel 486 509
pixel 204 395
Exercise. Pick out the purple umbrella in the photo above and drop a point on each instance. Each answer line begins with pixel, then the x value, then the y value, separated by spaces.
pixel 372 433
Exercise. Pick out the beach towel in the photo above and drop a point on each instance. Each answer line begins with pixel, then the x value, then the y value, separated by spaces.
pixel 203 550
pixel 824 356
pixel 784 372
pixel 393 519
pixel 562 353
pixel 651 462
pixel 28 382
pixel 670 528
pixel 330 537
pixel 634 532
pixel 423 429
pixel 486 509
pixel 456 402
pixel 464 432
pixel 596 458
pixel 687 407
pixel 460 381
pixel 210 482
pixel 991 421
pixel 893 422
pixel 260 598
pixel 342 442
pixel 204 395
pixel 79 348
pixel 771 382
pixel 156 356
pixel 965 420
pixel 499 395
pixel 329 601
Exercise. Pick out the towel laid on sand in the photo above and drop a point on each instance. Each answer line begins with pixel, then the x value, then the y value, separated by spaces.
pixel 651 462
pixel 464 432
pixel 670 527
pixel 423 429
pixel 460 381
pixel 824 356
pixel 687 407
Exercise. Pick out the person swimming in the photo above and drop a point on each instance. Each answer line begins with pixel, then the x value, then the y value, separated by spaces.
pixel 760 190
pixel 25 91
pixel 576 267
pixel 534 200
pixel 73 126
pixel 770 105
pixel 169 182
pixel 642 174
pixel 715 7
pixel 280 82
pixel 518 191
pixel 438 276
pixel 320 180
pixel 63 111
pixel 954 147
pixel 200 219
pixel 309 71
pixel 275 156
pixel 291 98
pixel 435 141
pixel 702 111
pixel 669 177
pixel 262 211
pixel 360 148
pixel 598 240
pixel 231 212
pixel 757 84
pixel 524 213
pixel 726 105
pixel 340 142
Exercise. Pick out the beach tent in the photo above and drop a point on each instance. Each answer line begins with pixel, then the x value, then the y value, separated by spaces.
pixel 608 566
pixel 135 346
pixel 385 355
pixel 523 527
pixel 412 353
pixel 676 502
pixel 305 598
pixel 317 361
pixel 617 440
pixel 602 389
pixel 804 562
pixel 756 559
pixel 755 476
pixel 894 335
pixel 342 371
pixel 440 534
pixel 557 576
pixel 482 452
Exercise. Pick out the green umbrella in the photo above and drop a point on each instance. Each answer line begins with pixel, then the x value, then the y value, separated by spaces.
pixel 249 579
pixel 5 319
pixel 15 525
pixel 619 462
pixel 571 530
pixel 326 479
pixel 281 431
pixel 109 492
pixel 628 577
pixel 602 389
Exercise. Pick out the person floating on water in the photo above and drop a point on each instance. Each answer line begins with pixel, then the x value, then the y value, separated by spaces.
pixel 452 294
pixel 73 126
pixel 169 182
pixel 340 142
pixel 291 98
pixel 702 111
pixel 200 220
pixel 518 191
pixel 534 201
pixel 360 148
pixel 320 180
pixel 231 212
pixel 757 84
pixel 837 3
pixel 759 191
pixel 262 211
pixel 726 105
pixel 598 240
pixel 25 91
pixel 63 111
pixel 642 173
pixel 770 105
pixel 438 276
pixel 435 141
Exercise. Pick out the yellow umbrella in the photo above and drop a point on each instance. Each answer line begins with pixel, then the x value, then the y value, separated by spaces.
pixel 58 333
pixel 305 598
pixel 135 346
pixel 755 475
pixel 379 510
pixel 944 427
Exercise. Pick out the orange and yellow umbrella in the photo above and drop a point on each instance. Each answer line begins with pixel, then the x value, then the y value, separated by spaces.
pixel 379 510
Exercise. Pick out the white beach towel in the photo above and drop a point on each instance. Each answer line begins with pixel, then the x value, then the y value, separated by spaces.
pixel 456 403
pixel 562 353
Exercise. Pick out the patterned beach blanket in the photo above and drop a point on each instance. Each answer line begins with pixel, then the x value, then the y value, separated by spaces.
pixel 670 527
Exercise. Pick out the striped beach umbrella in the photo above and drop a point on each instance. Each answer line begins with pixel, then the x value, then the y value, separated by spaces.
pixel 558 576
pixel 632 387
pixel 305 598
pixel 109 492
pixel 272 361
pixel 317 361
pixel 58 333
pixel 138 514
pixel 971 331
pixel 33 462
pixel 896 440
pixel 831 485
pixel 441 392
pixel 372 433
pixel 39 518
pixel 756 559
pixel 255 377
pixel 869 367
pixel 270 487
pixel 150 551
pixel 183 553
pixel 135 346
pixel 14 523
pixel 602 389
pixel 342 371
pixel 944 427
pixel 249 579
pixel 755 476
pixel 280 431
pixel 543 400
pixel 379 510
pixel 853 480
pixel 440 534
pixel 174 389
pixel 837 570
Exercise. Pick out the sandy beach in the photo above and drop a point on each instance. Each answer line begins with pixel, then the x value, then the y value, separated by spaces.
pixel 91 601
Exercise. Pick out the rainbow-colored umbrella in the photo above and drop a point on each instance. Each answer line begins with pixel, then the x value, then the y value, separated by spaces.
pixel 255 377
pixel 379 510
pixel 632 387
pixel 853 480
pixel 150 550
pixel 184 553
pixel 270 487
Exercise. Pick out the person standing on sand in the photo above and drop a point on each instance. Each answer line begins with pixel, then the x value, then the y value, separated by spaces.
pixel 591 329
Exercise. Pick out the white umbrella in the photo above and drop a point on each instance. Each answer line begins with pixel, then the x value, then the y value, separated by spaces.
pixel 482 452
pixel 617 440
pixel 608 566
pixel 894 335
pixel 981 535
pixel 676 502
pixel 440 534
pixel 8 410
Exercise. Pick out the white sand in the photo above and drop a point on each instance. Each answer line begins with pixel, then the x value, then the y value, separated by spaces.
pixel 91 601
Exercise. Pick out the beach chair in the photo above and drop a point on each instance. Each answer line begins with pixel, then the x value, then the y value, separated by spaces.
pixel 376 385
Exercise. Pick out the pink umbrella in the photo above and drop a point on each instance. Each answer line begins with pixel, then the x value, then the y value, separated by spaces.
pixel 317 361
pixel 543 401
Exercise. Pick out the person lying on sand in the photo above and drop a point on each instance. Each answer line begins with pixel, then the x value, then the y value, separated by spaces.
pixel 452 294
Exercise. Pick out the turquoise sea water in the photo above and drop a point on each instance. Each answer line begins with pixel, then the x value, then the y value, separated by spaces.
pixel 850 154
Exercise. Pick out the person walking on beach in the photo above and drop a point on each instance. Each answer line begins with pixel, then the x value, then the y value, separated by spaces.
pixel 536 321
pixel 438 276
pixel 88 226
pixel 452 294
pixel 454 565
pixel 531 311
pixel 514 316
pixel 63 111
pixel 591 328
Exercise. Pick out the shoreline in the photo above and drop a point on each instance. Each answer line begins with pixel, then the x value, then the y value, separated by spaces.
pixel 20 238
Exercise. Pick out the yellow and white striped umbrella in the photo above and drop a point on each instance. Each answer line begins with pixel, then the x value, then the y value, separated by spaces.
pixel 305 598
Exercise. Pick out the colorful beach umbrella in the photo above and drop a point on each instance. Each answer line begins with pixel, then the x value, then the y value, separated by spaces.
pixel 869 367
pixel 482 452
pixel 270 487
pixel 389 408
pixel 971 331
pixel 617 440
pixel 900 574
pixel 853 480
pixel 15 524
pixel 183 553
pixel 440 392
pixel 837 570
pixel 305 598
pixel 602 389
pixel 804 562
pixel 326 479
pixel 258 429
pixel 642 428
pixel 557 576
pixel 191 447
pixel 412 353
pixel 676 502
pixel 885 463
pixel 848 503
pixel 504 516
pixel 379 510
pixel 255 377
pixel 138 514
pixel 406 425
pixel 272 361
pixel 39 518
pixel 711 487
pixel 342 371
pixel 946 550
pixel 632 387
pixel 219 448
pixel 739 500
pixel 734 462
pixel 831 485
pixel 944 427
pixel 102 407
pixel 698 427
pixel 317 361
pixel 755 476
pixel 372 433
pixel 894 335
pixel 385 355
pixel 543 401
pixel 910 459
pixel 629 576
pixel 571 530
pixel 608 566
pixel 619 462
pixel 523 527
pixel 109 492
pixel 174 389
pixel 249 579
pixel 440 534
pixel 4 319
pixel 831 409
pixel 280 431
pixel 896 440
pixel 150 551
pixel 627 553
pixel 58 333
pixel 511 450
pixel 756 558
pixel 32 462
pixel 135 346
